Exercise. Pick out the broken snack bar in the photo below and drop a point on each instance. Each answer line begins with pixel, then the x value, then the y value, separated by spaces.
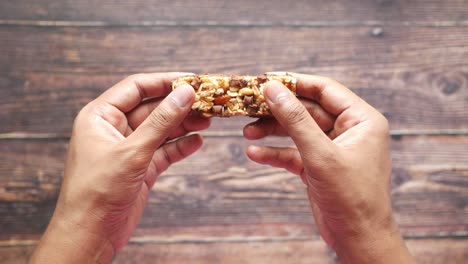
pixel 225 96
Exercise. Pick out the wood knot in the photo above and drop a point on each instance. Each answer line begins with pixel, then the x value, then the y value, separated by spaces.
pixel 377 32
pixel 451 82
pixel 399 177
pixel 237 153
pixel 312 60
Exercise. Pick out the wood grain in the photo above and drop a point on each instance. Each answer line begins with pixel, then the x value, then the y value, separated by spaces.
pixel 404 57
pixel 238 12
pixel 273 252
pixel 418 82
pixel 15 255
pixel 220 49
pixel 425 251
pixel 430 189
pixel 309 251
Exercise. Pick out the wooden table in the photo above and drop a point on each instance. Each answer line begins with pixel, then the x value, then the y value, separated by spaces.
pixel 407 58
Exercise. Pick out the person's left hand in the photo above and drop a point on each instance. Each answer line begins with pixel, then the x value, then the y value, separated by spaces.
pixel 120 143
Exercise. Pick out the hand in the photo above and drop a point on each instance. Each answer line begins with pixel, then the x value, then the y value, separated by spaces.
pixel 343 157
pixel 118 147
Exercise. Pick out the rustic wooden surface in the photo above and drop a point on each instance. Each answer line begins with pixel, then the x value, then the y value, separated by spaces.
pixel 124 12
pixel 64 68
pixel 407 58
pixel 296 251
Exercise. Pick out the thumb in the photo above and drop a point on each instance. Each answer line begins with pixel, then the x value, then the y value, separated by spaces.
pixel 311 141
pixel 159 124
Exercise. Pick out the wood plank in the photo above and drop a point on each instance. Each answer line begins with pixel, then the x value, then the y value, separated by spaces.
pixel 221 49
pixel 439 251
pixel 425 251
pixel 430 188
pixel 122 12
pixel 15 254
pixel 418 82
pixel 310 251
pixel 48 103
pixel 273 252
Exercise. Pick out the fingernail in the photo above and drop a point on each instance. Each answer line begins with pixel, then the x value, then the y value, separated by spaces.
pixel 275 93
pixel 254 148
pixel 251 125
pixel 185 73
pixel 277 73
pixel 182 95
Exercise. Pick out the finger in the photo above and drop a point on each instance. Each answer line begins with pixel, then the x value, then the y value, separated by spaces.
pixel 163 120
pixel 331 95
pixel 173 152
pixel 286 158
pixel 311 141
pixel 128 93
pixel 137 115
pixel 190 124
pixel 193 122
pixel 349 109
pixel 265 127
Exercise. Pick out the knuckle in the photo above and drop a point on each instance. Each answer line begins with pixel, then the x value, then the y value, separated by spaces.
pixel 297 114
pixel 84 113
pixel 314 111
pixel 136 82
pixel 277 155
pixel 135 77
pixel 180 153
pixel 174 153
pixel 328 81
pixel 167 157
pixel 161 117
pixel 89 107
pixel 385 124
pixel 382 125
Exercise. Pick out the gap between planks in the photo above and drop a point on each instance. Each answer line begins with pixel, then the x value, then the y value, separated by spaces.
pixel 393 133
pixel 178 240
pixel 207 240
pixel 241 23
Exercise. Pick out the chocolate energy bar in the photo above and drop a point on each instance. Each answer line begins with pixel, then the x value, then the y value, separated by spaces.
pixel 225 96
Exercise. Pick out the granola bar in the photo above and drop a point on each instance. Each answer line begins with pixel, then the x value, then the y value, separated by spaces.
pixel 225 96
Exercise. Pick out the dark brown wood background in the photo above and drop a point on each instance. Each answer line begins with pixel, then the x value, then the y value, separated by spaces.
pixel 407 58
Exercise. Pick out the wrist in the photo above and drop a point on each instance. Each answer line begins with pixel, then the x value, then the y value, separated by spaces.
pixel 65 242
pixel 385 245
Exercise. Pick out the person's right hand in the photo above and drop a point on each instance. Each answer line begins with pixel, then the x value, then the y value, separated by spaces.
pixel 343 157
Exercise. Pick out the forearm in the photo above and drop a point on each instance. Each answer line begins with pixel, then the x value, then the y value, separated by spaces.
pixel 63 244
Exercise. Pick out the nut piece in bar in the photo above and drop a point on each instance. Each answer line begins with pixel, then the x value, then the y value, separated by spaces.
pixel 231 95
